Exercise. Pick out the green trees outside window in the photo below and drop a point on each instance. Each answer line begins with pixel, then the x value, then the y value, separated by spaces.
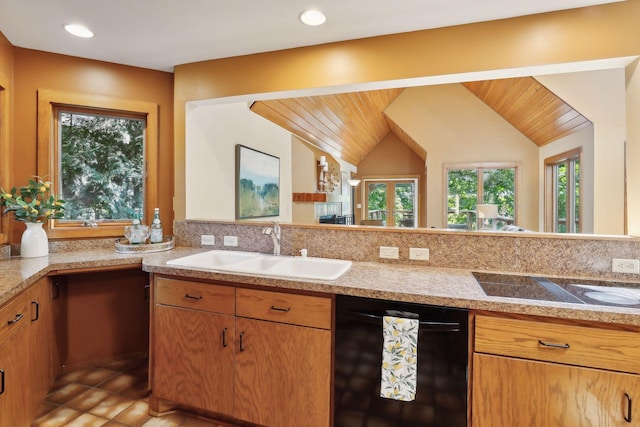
pixel 468 187
pixel 101 165
pixel 393 201
pixel 562 205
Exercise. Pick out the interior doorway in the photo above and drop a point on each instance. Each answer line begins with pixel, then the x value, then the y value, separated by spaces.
pixel 391 202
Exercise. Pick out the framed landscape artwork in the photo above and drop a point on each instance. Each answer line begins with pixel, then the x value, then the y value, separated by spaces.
pixel 257 183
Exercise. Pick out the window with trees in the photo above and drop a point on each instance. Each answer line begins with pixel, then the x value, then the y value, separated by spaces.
pixel 392 201
pixel 468 185
pixel 101 155
pixel 562 192
pixel 101 173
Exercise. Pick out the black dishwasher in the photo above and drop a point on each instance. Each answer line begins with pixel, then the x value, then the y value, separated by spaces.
pixel 441 392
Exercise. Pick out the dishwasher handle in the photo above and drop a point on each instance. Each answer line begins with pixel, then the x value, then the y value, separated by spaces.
pixel 425 325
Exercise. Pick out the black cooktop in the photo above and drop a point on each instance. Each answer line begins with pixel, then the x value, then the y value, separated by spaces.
pixel 596 292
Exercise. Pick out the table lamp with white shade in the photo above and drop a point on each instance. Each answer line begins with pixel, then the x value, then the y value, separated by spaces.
pixel 487 214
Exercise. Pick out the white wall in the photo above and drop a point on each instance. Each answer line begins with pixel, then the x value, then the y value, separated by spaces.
pixel 600 96
pixel 454 126
pixel 212 132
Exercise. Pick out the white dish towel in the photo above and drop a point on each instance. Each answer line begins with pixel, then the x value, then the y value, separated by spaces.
pixel 399 358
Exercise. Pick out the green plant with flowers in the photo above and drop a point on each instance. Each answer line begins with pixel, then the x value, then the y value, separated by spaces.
pixel 32 202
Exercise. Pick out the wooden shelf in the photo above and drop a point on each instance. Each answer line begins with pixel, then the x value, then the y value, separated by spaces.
pixel 309 197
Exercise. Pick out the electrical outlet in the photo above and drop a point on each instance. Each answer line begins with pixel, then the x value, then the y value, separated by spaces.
pixel 390 252
pixel 419 254
pixel 231 240
pixel 630 266
pixel 207 240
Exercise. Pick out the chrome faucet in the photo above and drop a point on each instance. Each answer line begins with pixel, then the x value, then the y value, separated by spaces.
pixel 276 236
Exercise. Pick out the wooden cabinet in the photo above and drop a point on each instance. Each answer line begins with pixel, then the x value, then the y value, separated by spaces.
pixel 283 366
pixel 282 375
pixel 545 374
pixel 15 401
pixel 26 363
pixel 41 341
pixel 257 356
pixel 194 345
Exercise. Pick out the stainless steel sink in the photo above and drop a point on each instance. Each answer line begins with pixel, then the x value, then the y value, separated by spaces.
pixel 596 292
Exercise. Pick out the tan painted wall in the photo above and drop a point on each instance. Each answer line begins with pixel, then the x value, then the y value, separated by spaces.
pixel 454 126
pixel 633 149
pixel 600 96
pixel 36 69
pixel 391 157
pixel 303 180
pixel 582 139
pixel 6 56
pixel 593 33
pixel 6 77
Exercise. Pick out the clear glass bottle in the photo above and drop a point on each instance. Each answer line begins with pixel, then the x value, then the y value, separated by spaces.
pixel 137 233
pixel 156 227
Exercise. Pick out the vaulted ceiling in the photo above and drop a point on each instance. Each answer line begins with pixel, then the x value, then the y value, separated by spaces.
pixel 349 125
pixel 530 107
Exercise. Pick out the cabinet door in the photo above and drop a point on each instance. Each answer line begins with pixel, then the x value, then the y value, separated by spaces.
pixel 511 392
pixel 193 355
pixel 41 337
pixel 15 404
pixel 59 342
pixel 283 374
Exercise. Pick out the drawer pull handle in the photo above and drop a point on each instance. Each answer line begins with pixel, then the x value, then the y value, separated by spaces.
pixel 197 298
pixel 16 319
pixel 1 381
pixel 627 417
pixel 56 290
pixel 37 310
pixel 224 337
pixel 242 341
pixel 552 344
pixel 285 310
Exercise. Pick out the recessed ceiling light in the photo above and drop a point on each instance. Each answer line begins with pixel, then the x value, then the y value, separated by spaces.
pixel 78 30
pixel 313 17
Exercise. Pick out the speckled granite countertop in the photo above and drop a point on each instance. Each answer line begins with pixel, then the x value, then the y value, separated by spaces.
pixel 426 285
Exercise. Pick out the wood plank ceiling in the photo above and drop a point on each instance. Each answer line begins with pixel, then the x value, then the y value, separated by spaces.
pixel 530 107
pixel 349 125
pixel 346 125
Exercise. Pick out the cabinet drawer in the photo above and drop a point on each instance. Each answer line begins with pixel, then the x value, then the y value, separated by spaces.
pixel 574 345
pixel 199 296
pixel 283 307
pixel 13 314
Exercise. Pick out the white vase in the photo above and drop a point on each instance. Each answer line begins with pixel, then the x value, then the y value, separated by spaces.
pixel 34 242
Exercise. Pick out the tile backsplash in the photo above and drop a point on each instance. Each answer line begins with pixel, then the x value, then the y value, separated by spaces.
pixel 571 256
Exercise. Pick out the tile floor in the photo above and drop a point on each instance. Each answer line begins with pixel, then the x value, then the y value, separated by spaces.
pixel 112 395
